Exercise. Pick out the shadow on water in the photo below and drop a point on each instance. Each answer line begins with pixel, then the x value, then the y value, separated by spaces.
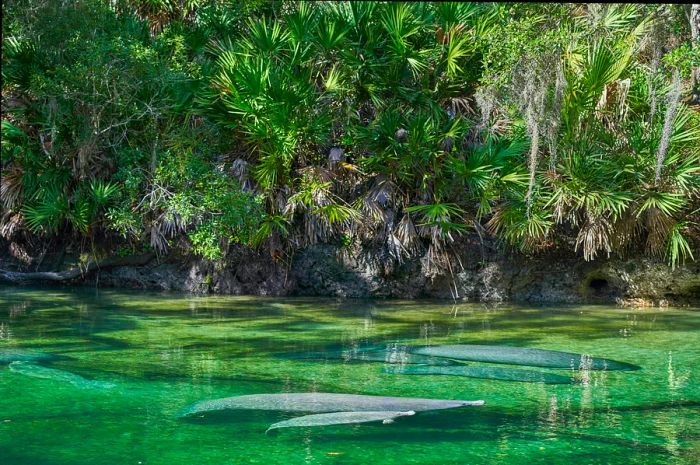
pixel 395 340
pixel 261 418
pixel 467 419
pixel 108 343
pixel 468 425
pixel 379 433
pixel 17 457
pixel 442 427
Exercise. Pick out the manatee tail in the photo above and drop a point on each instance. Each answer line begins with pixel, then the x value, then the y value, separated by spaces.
pixel 101 385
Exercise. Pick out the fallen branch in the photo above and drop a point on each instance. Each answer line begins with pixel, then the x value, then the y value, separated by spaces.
pixel 16 277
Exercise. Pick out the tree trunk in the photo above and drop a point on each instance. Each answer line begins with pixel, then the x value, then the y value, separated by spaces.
pixel 16 277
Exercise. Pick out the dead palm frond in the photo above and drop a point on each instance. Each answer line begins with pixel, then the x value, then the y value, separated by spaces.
pixel 627 229
pixel 11 186
pixel 594 236
pixel 9 224
pixel 658 225
pixel 407 235
pixel 158 240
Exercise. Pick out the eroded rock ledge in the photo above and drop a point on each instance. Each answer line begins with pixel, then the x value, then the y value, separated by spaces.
pixel 487 275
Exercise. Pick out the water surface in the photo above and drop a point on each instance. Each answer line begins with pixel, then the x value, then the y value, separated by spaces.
pixel 164 352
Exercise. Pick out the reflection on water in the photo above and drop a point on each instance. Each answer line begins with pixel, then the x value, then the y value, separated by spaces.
pixel 5 333
pixel 164 352
pixel 676 381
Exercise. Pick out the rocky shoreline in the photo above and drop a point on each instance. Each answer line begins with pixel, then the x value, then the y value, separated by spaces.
pixel 486 274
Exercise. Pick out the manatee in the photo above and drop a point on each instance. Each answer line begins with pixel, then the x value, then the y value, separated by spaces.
pixel 522 356
pixel 385 356
pixel 340 418
pixel 321 402
pixel 504 374
pixel 36 371
pixel 20 355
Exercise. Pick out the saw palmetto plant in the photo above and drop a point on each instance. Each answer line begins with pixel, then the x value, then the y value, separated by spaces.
pixel 399 126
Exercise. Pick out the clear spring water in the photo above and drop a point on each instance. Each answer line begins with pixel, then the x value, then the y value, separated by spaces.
pixel 164 352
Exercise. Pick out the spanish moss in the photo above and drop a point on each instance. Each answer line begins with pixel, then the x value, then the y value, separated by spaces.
pixel 672 101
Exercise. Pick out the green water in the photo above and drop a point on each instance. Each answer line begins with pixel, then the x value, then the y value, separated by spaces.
pixel 164 352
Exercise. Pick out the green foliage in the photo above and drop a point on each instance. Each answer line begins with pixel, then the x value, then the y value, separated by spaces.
pixel 439 216
pixel 678 249
pixel 683 58
pixel 275 224
pixel 96 102
pixel 202 123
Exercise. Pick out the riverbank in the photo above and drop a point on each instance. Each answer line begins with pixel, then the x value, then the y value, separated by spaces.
pixel 481 272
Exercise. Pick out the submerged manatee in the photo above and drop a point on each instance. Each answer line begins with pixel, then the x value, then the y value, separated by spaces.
pixel 340 418
pixel 503 374
pixel 382 355
pixel 36 371
pixel 523 356
pixel 323 402
pixel 21 355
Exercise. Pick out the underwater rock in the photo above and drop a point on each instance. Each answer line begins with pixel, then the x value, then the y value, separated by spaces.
pixel 340 418
pixel 523 356
pixel 504 374
pixel 323 402
pixel 36 371
pixel 21 355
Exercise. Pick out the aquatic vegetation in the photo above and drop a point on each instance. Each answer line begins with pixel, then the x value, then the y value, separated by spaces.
pixel 503 374
pixel 36 371
pixel 340 418
pixel 324 402
pixel 522 356
pixel 168 351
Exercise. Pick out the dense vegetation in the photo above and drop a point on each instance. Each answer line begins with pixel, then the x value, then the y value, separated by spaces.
pixel 199 124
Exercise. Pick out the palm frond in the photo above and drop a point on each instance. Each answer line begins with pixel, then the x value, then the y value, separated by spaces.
pixel 677 248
